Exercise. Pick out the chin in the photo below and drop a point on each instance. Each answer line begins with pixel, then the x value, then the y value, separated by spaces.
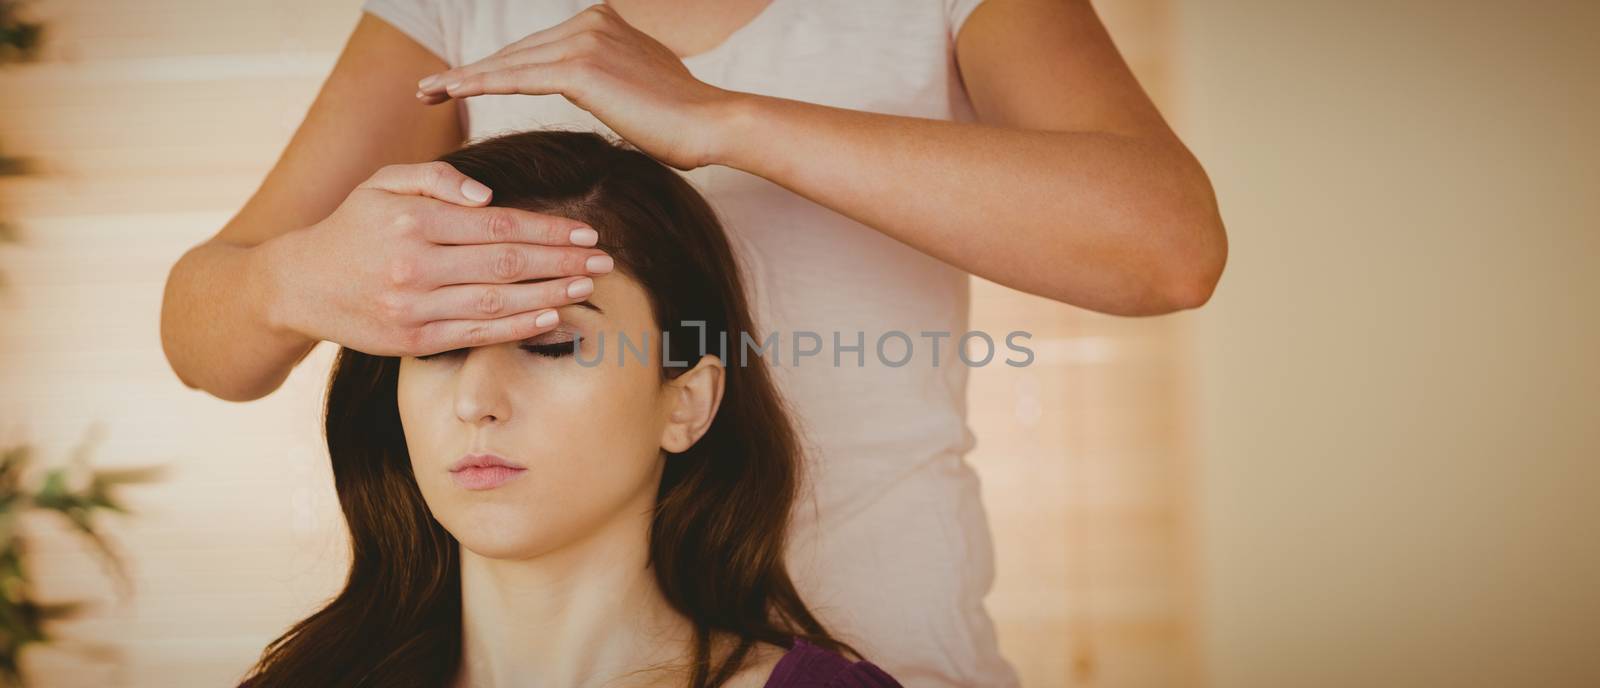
pixel 500 549
pixel 498 535
pixel 502 531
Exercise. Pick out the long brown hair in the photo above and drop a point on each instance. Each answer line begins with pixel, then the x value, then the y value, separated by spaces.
pixel 718 533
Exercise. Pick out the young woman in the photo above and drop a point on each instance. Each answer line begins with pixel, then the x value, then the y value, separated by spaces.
pixel 556 512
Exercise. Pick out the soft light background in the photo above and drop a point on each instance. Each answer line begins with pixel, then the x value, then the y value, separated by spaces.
pixel 1368 461
pixel 1400 373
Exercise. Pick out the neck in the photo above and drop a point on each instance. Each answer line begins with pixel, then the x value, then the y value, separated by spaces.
pixel 583 615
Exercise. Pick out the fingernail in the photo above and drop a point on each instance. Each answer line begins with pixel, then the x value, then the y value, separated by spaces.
pixel 598 264
pixel 580 287
pixel 546 319
pixel 428 83
pixel 452 86
pixel 583 236
pixel 420 94
pixel 474 191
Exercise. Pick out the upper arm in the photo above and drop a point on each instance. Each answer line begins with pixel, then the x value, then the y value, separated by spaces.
pixel 1050 65
pixel 365 116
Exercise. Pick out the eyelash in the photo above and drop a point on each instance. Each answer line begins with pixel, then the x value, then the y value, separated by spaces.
pixel 554 350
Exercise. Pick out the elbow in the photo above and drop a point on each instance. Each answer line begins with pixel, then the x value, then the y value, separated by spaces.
pixel 1195 277
pixel 1170 277
pixel 1196 248
pixel 1191 265
pixel 1170 254
pixel 1189 295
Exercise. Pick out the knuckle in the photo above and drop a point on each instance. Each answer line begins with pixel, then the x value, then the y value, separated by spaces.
pixel 589 40
pixel 508 263
pixel 402 271
pixel 394 306
pixel 491 301
pixel 406 221
pixel 435 174
pixel 600 15
pixel 478 334
pixel 502 227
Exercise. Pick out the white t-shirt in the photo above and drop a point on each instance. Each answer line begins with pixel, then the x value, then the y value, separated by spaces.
pixel 896 557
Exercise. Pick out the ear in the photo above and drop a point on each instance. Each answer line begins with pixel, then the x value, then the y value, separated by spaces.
pixel 692 400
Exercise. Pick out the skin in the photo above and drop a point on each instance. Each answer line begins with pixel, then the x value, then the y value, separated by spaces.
pixel 1073 187
pixel 555 585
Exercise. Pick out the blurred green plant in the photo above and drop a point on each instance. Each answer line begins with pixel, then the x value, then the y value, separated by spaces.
pixel 75 493
pixel 19 42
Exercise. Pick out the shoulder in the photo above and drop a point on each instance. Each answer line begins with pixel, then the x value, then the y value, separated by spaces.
pixel 810 666
pixel 758 667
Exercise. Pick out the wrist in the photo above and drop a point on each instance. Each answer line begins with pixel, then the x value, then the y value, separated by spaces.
pixel 736 118
pixel 270 291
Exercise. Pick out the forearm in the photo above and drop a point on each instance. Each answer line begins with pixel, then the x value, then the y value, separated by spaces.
pixel 216 328
pixel 1113 223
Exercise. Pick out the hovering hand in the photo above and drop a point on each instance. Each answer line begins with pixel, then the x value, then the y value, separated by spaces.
pixel 626 79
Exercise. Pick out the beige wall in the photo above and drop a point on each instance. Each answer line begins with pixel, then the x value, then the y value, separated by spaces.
pixel 1400 389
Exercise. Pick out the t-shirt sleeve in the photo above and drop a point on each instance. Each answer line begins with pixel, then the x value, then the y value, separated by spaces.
pixel 957 12
pixel 422 20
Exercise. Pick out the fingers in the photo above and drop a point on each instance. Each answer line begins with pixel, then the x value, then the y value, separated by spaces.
pixel 555 50
pixel 453 225
pixel 490 301
pixel 435 179
pixel 449 335
pixel 592 17
pixel 533 79
pixel 507 262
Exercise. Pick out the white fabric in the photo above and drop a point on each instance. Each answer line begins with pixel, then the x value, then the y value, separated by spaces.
pixel 896 554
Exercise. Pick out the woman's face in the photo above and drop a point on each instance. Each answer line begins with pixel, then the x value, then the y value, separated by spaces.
pixel 589 438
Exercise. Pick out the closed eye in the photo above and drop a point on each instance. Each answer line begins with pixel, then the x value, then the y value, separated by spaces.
pixel 553 349
pixel 548 350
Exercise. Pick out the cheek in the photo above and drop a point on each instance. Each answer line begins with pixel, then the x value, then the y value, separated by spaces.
pixel 422 409
pixel 592 442
pixel 589 436
pixel 606 413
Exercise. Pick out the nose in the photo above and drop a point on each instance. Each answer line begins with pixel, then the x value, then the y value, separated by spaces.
pixel 481 387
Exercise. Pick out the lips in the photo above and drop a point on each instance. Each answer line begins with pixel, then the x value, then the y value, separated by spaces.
pixel 484 471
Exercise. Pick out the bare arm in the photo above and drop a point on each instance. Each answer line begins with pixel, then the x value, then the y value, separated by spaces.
pixel 1071 186
pixel 216 327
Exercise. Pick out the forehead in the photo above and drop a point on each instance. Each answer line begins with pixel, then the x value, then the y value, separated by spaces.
pixel 618 300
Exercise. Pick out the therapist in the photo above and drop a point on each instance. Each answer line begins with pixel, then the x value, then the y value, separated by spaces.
pixel 865 158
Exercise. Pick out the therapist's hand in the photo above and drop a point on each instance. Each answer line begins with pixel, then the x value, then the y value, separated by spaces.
pixel 625 78
pixel 413 263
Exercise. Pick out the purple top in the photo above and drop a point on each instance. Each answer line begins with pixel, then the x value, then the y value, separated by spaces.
pixel 809 666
